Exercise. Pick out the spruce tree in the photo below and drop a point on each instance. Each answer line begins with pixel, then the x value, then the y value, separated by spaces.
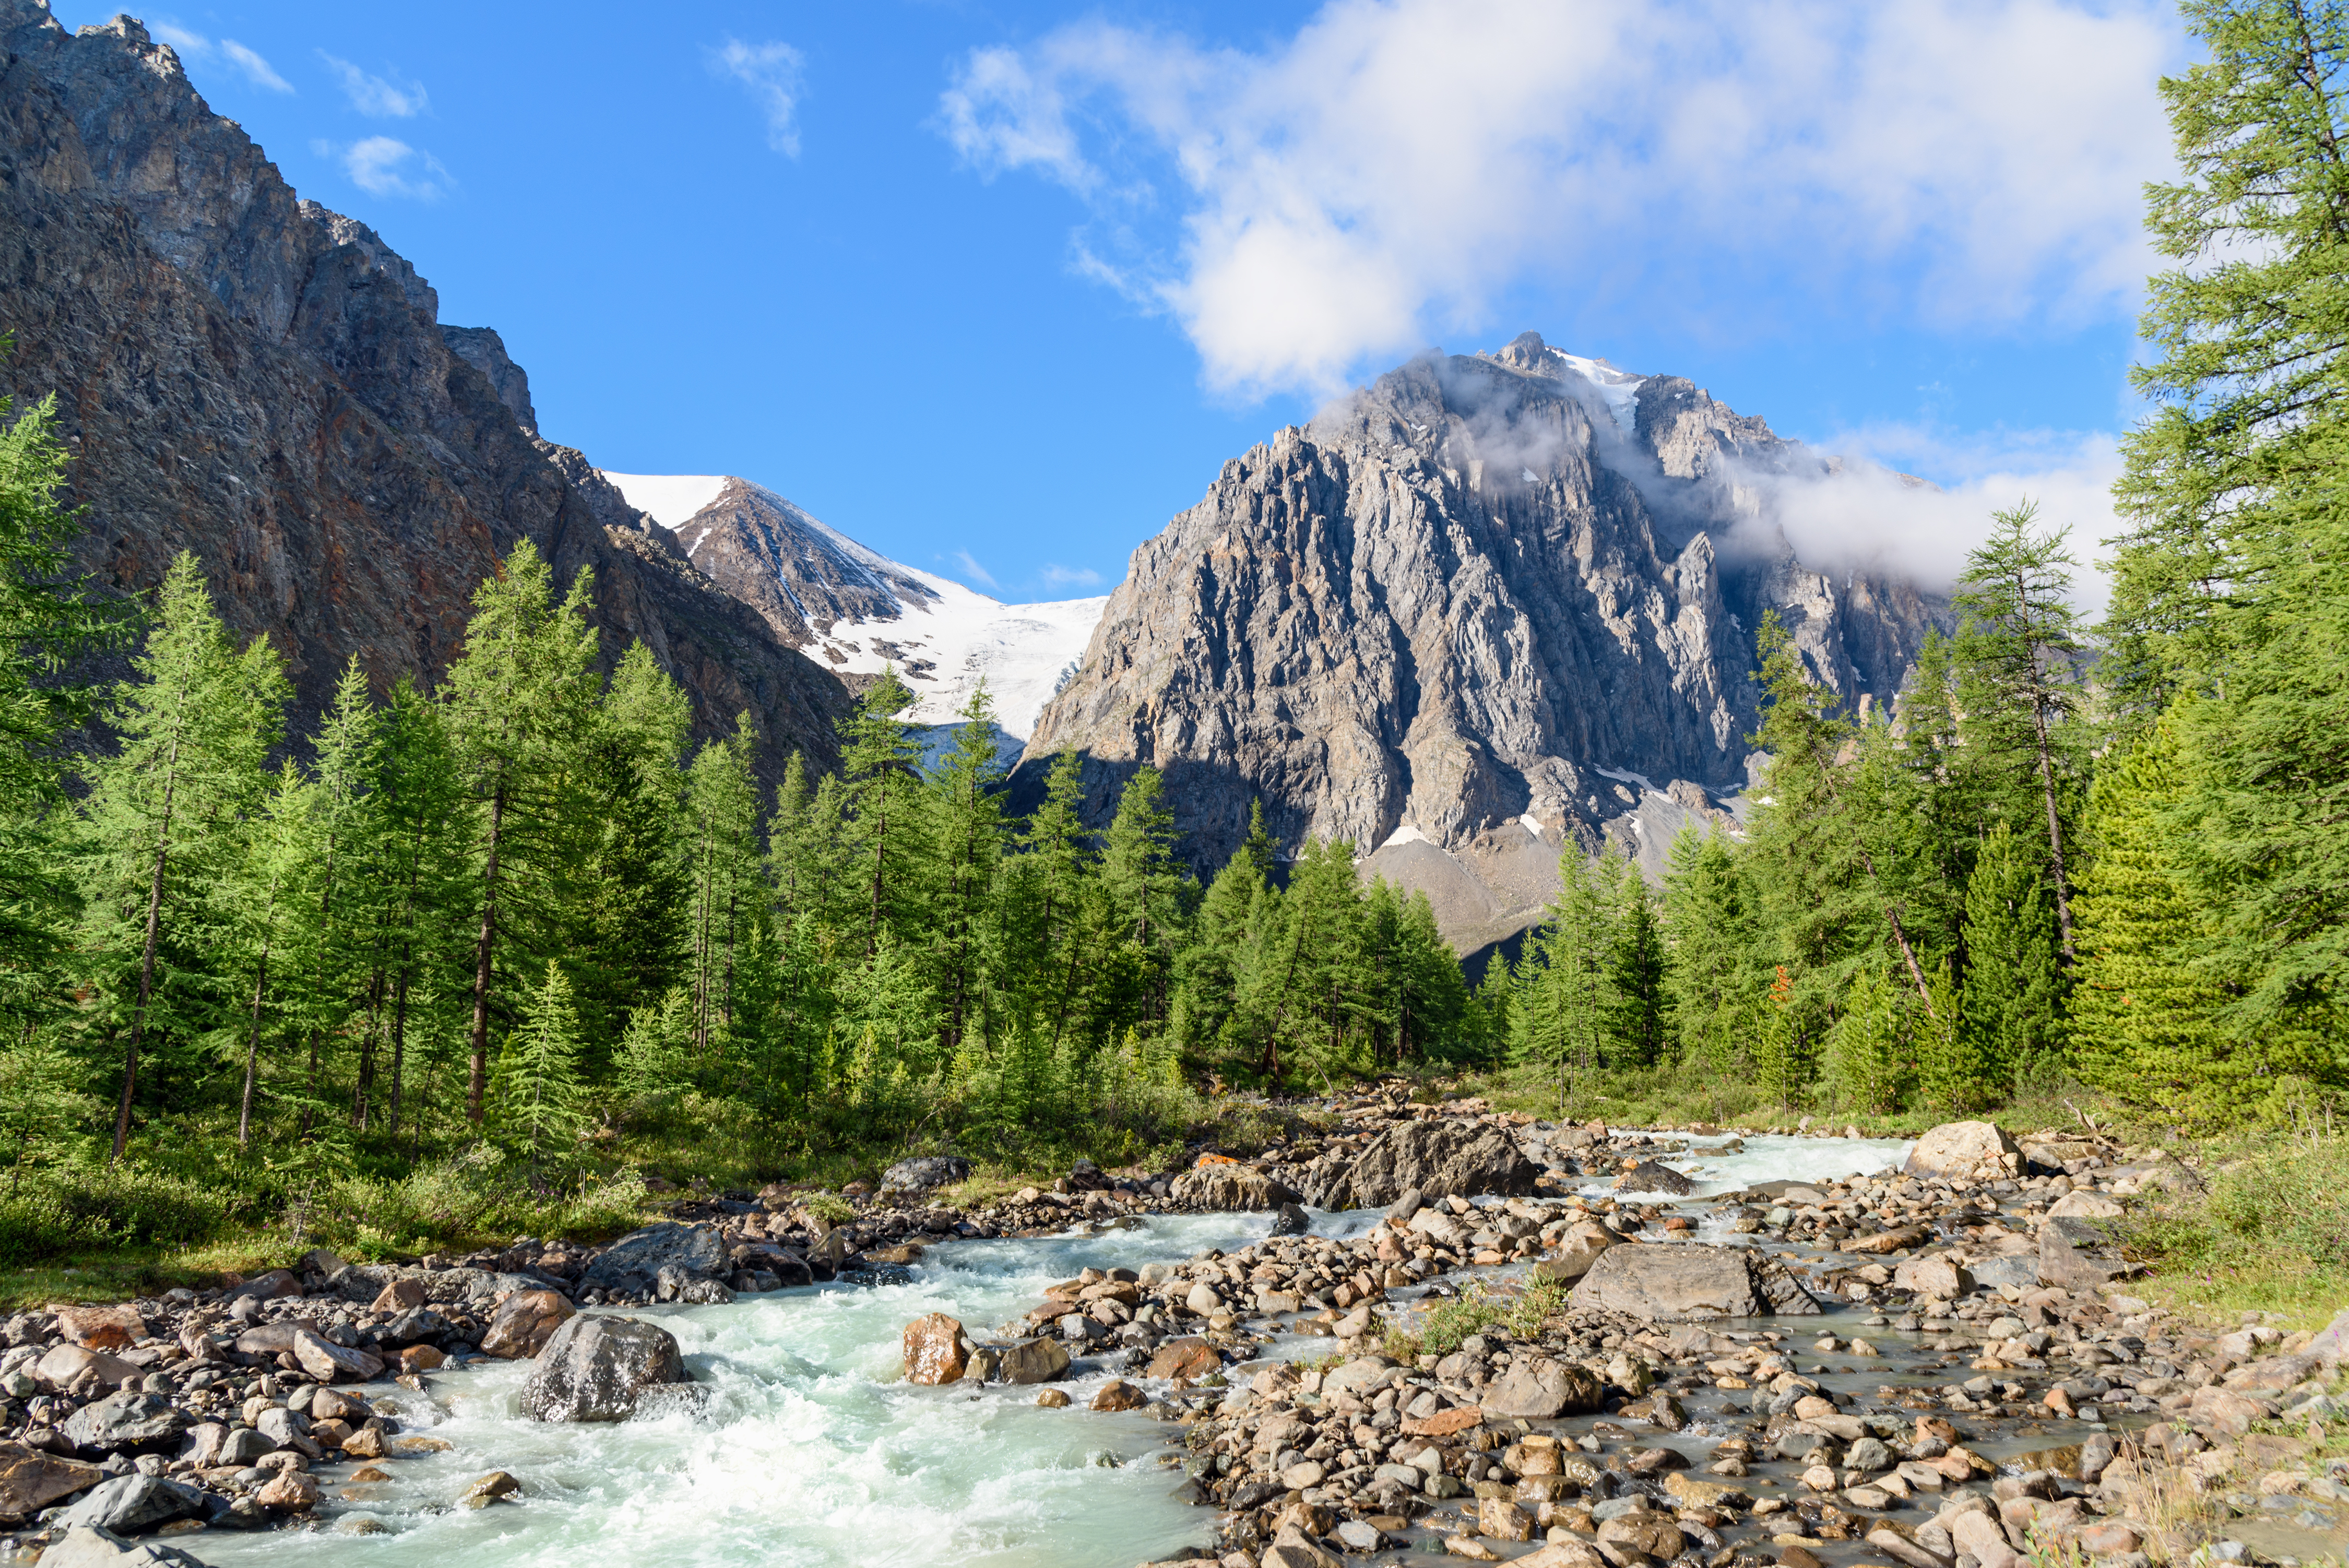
pixel 521 699
pixel 726 891
pixel 2148 1023
pixel 965 802
pixel 539 1103
pixel 2017 651
pixel 2010 1011
pixel 164 819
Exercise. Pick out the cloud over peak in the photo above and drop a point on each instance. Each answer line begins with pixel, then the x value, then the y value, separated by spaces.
pixel 1385 175
pixel 247 63
pixel 377 97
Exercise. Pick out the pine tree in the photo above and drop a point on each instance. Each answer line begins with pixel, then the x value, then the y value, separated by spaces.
pixel 630 902
pixel 44 1111
pixel 273 867
pixel 163 818
pixel 48 620
pixel 2010 1009
pixel 2250 328
pixel 1718 972
pixel 2017 648
pixel 1566 983
pixel 539 1108
pixel 1147 892
pixel 520 697
pixel 722 806
pixel 2148 1024
pixel 878 766
pixel 425 829
pixel 966 810
pixel 1867 1056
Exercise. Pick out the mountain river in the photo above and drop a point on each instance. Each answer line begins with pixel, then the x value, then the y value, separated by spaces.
pixel 812 1452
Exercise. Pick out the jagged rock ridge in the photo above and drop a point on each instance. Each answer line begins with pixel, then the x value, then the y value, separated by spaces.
pixel 254 378
pixel 860 612
pixel 1467 615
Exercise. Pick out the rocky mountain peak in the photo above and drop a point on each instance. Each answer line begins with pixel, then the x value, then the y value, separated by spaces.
pixel 1484 607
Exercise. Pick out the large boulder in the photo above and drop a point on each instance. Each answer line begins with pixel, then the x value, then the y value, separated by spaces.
pixel 1229 1189
pixel 132 1504
pixel 925 1171
pixel 635 1262
pixel 1665 1282
pixel 1034 1361
pixel 597 1369
pixel 1964 1149
pixel 316 1354
pixel 1576 1253
pixel 934 1350
pixel 525 1321
pixel 64 1364
pixel 85 1546
pixel 2068 1260
pixel 1648 1176
pixel 1536 1387
pixel 30 1480
pixel 1438 1159
pixel 126 1421
pixel 115 1327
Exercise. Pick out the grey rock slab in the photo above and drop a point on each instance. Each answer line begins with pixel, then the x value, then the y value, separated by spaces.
pixel 595 1367
pixel 924 1172
pixel 85 1546
pixel 126 1422
pixel 1671 1282
pixel 131 1504
pixel 1436 1158
pixel 635 1262
pixel 1536 1387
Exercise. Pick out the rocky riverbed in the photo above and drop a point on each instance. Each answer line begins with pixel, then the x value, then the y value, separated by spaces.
pixel 1925 1356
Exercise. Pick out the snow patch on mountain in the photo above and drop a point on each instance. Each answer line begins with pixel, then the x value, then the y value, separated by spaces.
pixel 942 637
pixel 671 498
pixel 1619 390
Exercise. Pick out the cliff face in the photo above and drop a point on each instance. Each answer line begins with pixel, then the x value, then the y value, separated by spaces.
pixel 1490 605
pixel 251 377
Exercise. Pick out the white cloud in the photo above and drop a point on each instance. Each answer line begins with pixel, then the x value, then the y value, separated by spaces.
pixel 377 97
pixel 192 46
pixel 384 166
pixel 972 569
pixel 1393 168
pixel 1868 515
pixel 1070 576
pixel 771 72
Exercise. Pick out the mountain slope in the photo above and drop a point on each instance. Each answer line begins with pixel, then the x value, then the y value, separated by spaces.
pixel 249 376
pixel 860 612
pixel 1466 616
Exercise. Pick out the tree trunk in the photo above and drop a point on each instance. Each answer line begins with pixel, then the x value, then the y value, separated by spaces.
pixel 483 947
pixel 146 960
pixel 2054 827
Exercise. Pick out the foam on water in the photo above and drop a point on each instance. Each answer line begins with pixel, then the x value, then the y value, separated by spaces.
pixel 1776 1158
pixel 812 1452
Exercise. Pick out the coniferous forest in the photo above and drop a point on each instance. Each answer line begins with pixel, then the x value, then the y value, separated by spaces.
pixel 489 950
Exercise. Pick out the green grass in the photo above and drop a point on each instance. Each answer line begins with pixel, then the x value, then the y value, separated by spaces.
pixel 1448 1324
pixel 2271 1233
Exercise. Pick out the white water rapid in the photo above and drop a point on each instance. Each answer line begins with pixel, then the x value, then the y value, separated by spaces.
pixel 813 1454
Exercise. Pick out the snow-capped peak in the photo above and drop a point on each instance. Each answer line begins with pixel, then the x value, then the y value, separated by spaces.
pixel 1619 390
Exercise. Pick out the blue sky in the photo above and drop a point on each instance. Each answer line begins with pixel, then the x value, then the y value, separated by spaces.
pixel 1011 282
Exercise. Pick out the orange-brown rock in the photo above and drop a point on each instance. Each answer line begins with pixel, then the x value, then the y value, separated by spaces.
pixel 936 1351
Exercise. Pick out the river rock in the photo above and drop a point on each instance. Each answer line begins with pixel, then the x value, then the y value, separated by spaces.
pixel 289 1492
pixel 1290 1221
pixel 1118 1394
pixel 2082 1204
pixel 116 1327
pixel 1536 1387
pixel 635 1262
pixel 2062 1262
pixel 132 1504
pixel 1234 1189
pixel 925 1171
pixel 1189 1357
pixel 1035 1361
pixel 597 1368
pixel 1648 1176
pixel 1691 1282
pixel 30 1480
pixel 2331 1345
pixel 1964 1148
pixel 1576 1253
pixel 934 1350
pixel 126 1421
pixel 64 1366
pixel 400 1296
pixel 525 1321
pixel 1438 1159
pixel 1938 1275
pixel 87 1547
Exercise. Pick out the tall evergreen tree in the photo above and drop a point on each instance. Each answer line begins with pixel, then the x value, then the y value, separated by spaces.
pixel 520 696
pixel 163 818
pixel 2010 1011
